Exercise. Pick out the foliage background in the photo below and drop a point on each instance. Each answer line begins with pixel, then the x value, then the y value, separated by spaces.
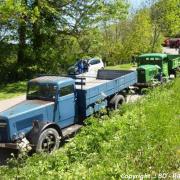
pixel 48 36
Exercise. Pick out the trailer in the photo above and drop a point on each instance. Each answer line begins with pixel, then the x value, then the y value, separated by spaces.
pixel 173 64
pixel 56 106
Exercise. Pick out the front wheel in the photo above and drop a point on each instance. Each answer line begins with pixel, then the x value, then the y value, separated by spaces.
pixel 48 141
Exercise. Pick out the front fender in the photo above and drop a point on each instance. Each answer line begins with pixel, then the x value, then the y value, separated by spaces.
pixel 38 128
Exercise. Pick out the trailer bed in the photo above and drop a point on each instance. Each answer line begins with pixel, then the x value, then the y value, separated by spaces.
pixel 94 90
pixel 91 82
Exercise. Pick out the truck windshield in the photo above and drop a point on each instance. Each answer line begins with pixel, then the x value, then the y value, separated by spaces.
pixel 44 92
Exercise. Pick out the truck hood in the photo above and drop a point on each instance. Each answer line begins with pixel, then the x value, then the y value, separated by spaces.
pixel 24 107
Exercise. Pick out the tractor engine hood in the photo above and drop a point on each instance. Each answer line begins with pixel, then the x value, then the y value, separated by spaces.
pixel 19 118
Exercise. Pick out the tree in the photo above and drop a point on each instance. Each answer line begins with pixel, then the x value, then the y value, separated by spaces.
pixel 44 32
pixel 167 16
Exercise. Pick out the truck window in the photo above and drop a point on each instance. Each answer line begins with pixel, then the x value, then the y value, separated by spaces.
pixel 36 91
pixel 151 58
pixel 157 58
pixel 64 91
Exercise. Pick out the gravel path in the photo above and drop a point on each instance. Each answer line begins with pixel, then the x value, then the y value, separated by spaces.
pixel 133 98
pixel 5 104
pixel 170 50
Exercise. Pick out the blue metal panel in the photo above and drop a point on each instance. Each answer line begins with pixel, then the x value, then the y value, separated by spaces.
pixel 92 95
pixel 66 110
pixel 99 106
pixel 23 122
pixel 89 111
pixel 24 107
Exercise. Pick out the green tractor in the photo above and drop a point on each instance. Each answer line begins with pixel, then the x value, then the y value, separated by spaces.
pixel 158 59
pixel 148 74
pixel 154 68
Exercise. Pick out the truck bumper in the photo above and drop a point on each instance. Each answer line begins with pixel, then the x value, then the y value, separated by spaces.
pixel 23 144
pixel 9 145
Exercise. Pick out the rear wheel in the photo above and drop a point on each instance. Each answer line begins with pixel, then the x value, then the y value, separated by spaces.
pixel 117 101
pixel 49 141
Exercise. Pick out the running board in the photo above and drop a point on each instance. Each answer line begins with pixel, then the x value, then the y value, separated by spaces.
pixel 69 131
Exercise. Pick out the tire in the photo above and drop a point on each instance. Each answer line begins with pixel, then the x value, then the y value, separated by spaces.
pixel 117 101
pixel 48 141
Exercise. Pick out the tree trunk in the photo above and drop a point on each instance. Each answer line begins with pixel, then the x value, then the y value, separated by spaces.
pixel 116 32
pixel 155 38
pixel 37 36
pixel 22 43
pixel 22 39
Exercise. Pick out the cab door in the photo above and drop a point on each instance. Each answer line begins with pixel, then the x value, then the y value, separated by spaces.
pixel 66 106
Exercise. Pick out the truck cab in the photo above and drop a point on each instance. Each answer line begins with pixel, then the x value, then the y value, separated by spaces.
pixel 147 73
pixel 156 59
pixel 50 101
pixel 60 91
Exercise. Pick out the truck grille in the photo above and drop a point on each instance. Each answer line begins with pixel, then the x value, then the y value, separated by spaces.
pixel 3 131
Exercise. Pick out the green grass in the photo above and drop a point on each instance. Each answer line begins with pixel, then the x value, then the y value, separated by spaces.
pixel 121 67
pixel 141 138
pixel 12 90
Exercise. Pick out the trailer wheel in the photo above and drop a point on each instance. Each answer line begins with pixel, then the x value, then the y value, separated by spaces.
pixel 48 141
pixel 117 101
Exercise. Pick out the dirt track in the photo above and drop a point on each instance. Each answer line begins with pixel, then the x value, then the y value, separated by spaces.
pixel 170 50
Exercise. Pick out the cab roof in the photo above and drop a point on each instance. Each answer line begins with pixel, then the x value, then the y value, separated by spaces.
pixel 55 80
pixel 158 55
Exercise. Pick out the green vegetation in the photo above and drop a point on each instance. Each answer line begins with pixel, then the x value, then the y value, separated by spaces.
pixel 165 16
pixel 141 138
pixel 12 90
pixel 48 36
pixel 122 66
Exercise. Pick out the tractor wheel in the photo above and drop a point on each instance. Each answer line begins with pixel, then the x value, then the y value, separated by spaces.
pixel 49 141
pixel 117 101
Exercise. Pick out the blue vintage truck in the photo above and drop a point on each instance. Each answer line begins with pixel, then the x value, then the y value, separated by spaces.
pixel 56 107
